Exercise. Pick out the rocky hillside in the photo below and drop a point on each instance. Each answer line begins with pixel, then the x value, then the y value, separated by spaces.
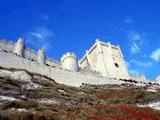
pixel 30 96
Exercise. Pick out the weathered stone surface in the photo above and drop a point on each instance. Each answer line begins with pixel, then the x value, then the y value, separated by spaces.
pixel 43 79
pixel 7 98
pixel 61 91
pixel 59 101
pixel 107 59
pixel 30 86
pixel 19 46
pixel 69 61
pixel 154 105
pixel 5 73
pixel 21 76
pixel 152 88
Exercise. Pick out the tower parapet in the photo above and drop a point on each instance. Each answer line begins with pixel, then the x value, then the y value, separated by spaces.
pixel 19 46
pixel 98 42
pixel 41 56
pixel 69 61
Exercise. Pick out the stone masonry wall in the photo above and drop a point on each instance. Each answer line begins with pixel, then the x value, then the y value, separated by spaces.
pixel 28 53
pixel 6 45
pixel 10 60
pixel 107 59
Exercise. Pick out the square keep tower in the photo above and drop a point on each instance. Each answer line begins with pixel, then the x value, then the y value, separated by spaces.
pixel 106 59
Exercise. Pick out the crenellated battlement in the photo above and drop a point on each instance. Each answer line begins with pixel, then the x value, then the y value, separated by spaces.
pixel 21 50
pixel 4 41
pixel 68 54
pixel 41 56
pixel 6 45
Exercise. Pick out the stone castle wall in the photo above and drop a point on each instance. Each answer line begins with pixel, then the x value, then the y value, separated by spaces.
pixel 27 52
pixel 6 45
pixel 72 78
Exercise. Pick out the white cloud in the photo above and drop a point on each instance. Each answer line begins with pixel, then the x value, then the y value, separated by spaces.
pixel 134 36
pixel 140 63
pixel 128 20
pixel 45 17
pixel 40 37
pixel 135 66
pixel 136 40
pixel 135 48
pixel 156 54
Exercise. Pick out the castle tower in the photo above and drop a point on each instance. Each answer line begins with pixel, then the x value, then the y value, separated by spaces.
pixel 19 46
pixel 69 61
pixel 106 59
pixel 41 56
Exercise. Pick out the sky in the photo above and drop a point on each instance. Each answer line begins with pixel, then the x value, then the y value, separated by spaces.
pixel 60 26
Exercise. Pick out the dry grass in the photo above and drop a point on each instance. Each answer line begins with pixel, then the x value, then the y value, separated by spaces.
pixel 71 112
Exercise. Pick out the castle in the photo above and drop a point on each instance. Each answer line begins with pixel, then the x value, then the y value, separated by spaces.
pixel 103 63
pixel 107 59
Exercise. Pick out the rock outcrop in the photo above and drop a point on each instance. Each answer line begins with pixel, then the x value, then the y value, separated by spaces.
pixel 20 76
